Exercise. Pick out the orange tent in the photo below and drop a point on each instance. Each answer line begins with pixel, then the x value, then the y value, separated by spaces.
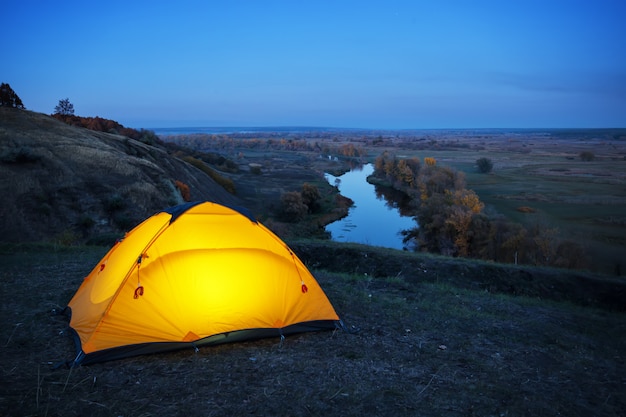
pixel 195 274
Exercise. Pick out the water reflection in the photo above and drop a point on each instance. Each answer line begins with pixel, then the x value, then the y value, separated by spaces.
pixel 375 218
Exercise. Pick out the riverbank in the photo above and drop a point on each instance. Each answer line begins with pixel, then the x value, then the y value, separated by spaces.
pixel 375 218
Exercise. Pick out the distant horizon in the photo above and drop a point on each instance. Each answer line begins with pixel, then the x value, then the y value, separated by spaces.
pixel 220 128
pixel 278 128
pixel 350 64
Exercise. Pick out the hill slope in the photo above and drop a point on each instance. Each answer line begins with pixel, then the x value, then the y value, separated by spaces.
pixel 75 184
pixel 415 349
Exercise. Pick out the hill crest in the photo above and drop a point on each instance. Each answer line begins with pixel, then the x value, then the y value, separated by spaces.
pixel 67 183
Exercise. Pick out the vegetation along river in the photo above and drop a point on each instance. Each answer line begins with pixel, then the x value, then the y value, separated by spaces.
pixel 375 219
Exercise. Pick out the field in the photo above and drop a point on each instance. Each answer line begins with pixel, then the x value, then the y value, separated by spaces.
pixel 416 344
pixel 584 201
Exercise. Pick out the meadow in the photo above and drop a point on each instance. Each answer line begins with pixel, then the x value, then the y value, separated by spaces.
pixel 584 201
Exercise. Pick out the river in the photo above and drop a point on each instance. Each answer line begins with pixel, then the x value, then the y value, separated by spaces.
pixel 372 220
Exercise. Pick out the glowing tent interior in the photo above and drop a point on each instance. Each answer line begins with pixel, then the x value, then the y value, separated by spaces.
pixel 193 275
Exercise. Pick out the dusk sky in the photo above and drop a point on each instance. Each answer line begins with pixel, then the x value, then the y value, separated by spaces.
pixel 360 64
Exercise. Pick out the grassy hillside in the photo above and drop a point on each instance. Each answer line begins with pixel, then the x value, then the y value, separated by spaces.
pixel 582 288
pixel 414 347
pixel 68 184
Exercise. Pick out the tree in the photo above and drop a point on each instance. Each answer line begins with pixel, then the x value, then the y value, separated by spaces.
pixel 434 179
pixel 311 197
pixel 484 165
pixel 404 173
pixel 64 107
pixel 8 98
pixel 430 161
pixel 514 241
pixel 459 218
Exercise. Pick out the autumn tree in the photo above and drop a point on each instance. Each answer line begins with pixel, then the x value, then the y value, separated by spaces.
pixel 385 165
pixel 348 149
pixel 464 205
pixel 404 174
pixel 8 97
pixel 459 220
pixel 184 190
pixel 414 164
pixel 434 179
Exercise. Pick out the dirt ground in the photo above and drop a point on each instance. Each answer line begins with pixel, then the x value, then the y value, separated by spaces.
pixel 410 347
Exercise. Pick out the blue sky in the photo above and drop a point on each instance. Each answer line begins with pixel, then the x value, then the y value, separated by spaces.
pixel 369 64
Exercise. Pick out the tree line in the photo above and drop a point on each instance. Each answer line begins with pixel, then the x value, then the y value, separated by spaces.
pixel 452 220
pixel 232 143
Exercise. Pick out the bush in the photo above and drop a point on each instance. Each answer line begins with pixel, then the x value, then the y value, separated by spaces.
pixel 430 161
pixel 255 169
pixel 114 203
pixel 85 222
pixel 124 222
pixel 292 206
pixel 587 156
pixel 67 238
pixel 484 165
pixel 183 188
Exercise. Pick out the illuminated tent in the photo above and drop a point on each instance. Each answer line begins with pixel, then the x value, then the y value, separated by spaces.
pixel 193 275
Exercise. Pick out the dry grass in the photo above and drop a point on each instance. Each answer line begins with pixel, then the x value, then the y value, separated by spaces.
pixel 53 176
pixel 421 348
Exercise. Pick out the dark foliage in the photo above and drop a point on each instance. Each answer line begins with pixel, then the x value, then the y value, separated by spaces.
pixel 587 156
pixel 484 165
pixel 293 207
pixel 8 97
pixel 311 197
pixel 64 107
